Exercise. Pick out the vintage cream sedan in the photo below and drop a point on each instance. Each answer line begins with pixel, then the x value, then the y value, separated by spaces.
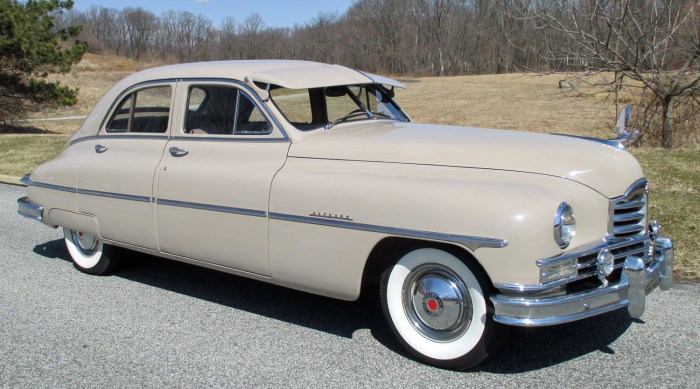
pixel 310 176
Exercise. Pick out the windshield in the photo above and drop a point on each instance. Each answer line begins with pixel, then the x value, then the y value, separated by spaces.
pixel 310 109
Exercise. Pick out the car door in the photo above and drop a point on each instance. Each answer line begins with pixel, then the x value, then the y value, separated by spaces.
pixel 214 182
pixel 115 181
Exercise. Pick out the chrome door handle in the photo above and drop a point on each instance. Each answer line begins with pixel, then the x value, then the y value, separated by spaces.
pixel 100 148
pixel 178 152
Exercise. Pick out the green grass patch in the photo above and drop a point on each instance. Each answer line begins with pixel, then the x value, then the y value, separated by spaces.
pixel 21 153
pixel 674 177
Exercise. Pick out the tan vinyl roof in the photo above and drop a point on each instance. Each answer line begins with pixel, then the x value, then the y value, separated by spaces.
pixel 285 73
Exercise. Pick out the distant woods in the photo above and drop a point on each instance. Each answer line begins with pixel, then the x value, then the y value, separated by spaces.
pixel 420 37
pixel 650 45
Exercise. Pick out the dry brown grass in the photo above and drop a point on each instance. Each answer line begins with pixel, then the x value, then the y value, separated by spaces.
pixel 94 75
pixel 510 101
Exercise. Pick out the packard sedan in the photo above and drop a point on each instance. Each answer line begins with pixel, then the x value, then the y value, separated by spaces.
pixel 311 176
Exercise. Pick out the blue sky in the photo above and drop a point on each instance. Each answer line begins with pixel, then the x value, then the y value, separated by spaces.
pixel 276 13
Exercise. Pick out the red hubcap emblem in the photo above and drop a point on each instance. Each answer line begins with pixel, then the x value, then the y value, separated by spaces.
pixel 432 304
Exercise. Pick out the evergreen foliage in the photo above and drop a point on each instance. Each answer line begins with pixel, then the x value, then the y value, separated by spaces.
pixel 31 48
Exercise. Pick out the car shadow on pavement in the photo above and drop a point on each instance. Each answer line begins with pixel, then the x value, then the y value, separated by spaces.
pixel 55 249
pixel 528 349
pixel 525 349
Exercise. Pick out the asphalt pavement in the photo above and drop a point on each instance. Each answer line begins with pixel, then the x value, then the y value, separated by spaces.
pixel 160 323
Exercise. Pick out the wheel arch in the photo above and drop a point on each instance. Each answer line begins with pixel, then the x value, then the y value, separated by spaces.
pixel 390 249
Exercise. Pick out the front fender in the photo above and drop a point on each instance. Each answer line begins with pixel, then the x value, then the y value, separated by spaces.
pixel 515 207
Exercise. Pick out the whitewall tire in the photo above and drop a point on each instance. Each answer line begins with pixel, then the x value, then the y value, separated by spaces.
pixel 90 255
pixel 439 310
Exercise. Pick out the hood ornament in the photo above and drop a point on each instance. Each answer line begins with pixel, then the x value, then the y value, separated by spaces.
pixel 625 136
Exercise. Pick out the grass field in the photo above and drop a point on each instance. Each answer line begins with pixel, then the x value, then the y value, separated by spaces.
pixel 512 101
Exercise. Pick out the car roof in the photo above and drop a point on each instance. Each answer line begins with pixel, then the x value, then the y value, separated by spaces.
pixel 290 74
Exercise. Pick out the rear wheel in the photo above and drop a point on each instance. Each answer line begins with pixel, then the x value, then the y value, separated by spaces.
pixel 437 307
pixel 90 255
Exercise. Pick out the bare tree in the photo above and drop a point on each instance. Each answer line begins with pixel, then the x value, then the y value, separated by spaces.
pixel 250 31
pixel 422 37
pixel 652 42
pixel 139 25
pixel 227 38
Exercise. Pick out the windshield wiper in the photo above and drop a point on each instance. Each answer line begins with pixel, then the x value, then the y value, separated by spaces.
pixel 344 118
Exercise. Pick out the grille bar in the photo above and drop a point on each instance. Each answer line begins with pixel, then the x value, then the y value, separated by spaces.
pixel 584 263
pixel 628 213
pixel 625 217
pixel 630 204
pixel 633 229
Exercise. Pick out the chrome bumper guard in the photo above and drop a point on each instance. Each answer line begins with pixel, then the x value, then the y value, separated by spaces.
pixel 636 281
pixel 28 209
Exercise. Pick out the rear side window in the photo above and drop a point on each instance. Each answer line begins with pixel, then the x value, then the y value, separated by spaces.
pixel 223 110
pixel 143 111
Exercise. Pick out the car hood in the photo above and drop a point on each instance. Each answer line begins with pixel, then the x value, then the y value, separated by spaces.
pixel 603 168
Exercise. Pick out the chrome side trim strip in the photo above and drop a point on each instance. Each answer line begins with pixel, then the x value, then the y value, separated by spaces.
pixel 113 195
pixel 229 138
pixel 215 208
pixel 26 180
pixel 472 242
pixel 146 199
pixel 120 136
pixel 61 188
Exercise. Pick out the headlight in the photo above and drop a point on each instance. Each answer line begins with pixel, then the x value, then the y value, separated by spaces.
pixel 564 225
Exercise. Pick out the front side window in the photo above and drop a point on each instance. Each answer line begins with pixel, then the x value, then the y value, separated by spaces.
pixel 223 110
pixel 249 118
pixel 310 109
pixel 143 111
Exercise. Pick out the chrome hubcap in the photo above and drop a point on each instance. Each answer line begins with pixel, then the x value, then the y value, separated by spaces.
pixel 87 243
pixel 437 302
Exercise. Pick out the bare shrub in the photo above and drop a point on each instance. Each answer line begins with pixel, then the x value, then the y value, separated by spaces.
pixel 647 117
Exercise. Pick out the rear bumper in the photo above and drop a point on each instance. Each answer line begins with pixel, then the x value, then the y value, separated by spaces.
pixel 636 282
pixel 29 209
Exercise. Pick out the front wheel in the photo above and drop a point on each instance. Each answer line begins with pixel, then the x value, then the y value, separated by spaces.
pixel 90 255
pixel 438 309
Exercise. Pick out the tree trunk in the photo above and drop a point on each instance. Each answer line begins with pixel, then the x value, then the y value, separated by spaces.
pixel 666 128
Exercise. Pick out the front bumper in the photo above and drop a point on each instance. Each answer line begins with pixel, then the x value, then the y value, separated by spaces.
pixel 637 280
pixel 29 209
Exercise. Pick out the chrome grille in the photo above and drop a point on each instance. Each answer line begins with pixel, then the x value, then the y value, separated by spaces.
pixel 587 263
pixel 586 275
pixel 628 213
